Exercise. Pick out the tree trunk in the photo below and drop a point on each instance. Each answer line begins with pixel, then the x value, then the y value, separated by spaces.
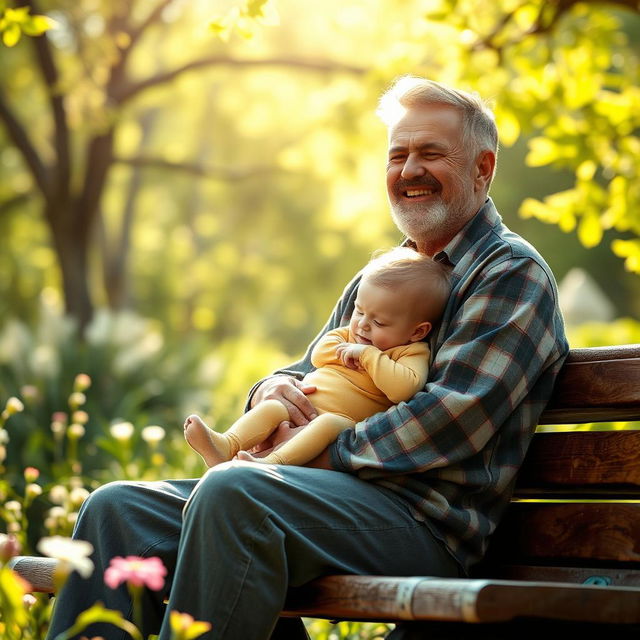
pixel 72 248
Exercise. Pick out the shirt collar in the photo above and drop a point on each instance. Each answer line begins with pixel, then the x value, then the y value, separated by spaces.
pixel 482 222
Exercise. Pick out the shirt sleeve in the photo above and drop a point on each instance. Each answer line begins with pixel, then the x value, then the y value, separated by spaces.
pixel 399 379
pixel 498 342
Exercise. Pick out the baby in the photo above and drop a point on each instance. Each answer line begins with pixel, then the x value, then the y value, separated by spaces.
pixel 374 363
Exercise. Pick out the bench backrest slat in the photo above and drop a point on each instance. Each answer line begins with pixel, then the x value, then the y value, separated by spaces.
pixel 577 497
pixel 597 385
pixel 588 533
pixel 583 461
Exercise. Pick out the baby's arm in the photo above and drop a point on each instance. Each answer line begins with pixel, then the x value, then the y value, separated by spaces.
pixel 398 379
pixel 325 350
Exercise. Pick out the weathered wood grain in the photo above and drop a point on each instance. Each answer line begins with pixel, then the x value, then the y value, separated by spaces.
pixel 465 600
pixel 588 533
pixel 585 461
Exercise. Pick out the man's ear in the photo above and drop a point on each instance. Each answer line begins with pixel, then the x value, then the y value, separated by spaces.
pixel 485 166
pixel 421 331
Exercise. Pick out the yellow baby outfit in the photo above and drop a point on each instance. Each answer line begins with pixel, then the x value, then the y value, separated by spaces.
pixel 343 397
pixel 389 377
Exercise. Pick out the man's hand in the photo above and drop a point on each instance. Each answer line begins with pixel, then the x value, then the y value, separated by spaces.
pixel 350 354
pixel 292 394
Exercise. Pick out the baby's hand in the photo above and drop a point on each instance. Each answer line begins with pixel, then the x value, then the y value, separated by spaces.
pixel 350 354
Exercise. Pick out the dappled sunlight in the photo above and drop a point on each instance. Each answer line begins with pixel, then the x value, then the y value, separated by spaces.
pixel 185 190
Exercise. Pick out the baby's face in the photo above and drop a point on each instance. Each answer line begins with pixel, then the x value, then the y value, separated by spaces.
pixel 383 317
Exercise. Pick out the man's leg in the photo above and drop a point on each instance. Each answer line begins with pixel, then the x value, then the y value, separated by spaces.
pixel 251 531
pixel 139 519
pixel 121 519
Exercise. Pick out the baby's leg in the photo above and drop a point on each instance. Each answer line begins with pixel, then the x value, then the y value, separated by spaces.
pixel 308 443
pixel 249 430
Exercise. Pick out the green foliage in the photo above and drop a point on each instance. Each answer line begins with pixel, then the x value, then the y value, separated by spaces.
pixel 566 75
pixel 324 630
pixel 245 19
pixel 134 373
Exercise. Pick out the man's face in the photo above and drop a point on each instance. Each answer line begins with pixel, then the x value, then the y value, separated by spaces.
pixel 430 175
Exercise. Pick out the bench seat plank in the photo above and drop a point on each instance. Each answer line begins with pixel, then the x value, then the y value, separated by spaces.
pixel 463 600
pixel 36 570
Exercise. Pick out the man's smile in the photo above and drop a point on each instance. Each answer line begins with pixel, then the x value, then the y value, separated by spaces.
pixel 415 193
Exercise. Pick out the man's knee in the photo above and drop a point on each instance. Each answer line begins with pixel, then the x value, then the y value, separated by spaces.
pixel 230 485
pixel 111 498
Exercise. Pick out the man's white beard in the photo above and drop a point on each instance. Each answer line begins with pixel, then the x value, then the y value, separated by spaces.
pixel 417 223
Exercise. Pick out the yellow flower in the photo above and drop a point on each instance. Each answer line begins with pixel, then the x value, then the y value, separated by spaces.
pixel 184 627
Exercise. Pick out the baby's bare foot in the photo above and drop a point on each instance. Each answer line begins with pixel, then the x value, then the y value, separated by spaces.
pixel 211 446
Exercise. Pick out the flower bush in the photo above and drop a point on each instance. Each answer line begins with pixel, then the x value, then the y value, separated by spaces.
pixel 39 506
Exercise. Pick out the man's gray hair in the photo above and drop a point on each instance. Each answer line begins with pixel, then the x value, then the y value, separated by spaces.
pixel 479 131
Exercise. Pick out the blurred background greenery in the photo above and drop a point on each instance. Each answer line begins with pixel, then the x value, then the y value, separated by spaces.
pixel 187 185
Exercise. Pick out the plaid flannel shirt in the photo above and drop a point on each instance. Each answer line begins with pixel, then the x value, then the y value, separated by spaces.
pixel 452 451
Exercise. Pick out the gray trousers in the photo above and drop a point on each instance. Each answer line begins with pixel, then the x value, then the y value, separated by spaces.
pixel 236 539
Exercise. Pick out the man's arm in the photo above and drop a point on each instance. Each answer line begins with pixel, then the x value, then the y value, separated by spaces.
pixel 499 342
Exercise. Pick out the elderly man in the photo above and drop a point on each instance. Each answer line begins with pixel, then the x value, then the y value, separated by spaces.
pixel 417 489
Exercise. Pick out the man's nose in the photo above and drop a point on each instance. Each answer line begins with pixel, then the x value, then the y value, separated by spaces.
pixel 412 167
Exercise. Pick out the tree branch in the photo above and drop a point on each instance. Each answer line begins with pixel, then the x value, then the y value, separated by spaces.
pixel 199 170
pixel 132 89
pixel 13 202
pixel 18 135
pixel 153 16
pixel 50 74
pixel 548 17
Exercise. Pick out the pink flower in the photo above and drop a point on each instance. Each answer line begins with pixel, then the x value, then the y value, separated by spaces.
pixel 31 474
pixel 136 572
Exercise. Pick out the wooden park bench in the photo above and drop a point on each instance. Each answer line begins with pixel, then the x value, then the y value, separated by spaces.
pixel 566 556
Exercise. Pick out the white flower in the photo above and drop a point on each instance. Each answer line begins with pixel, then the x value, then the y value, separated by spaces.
pixel 75 431
pixel 73 555
pixel 122 431
pixel 78 496
pixel 152 434
pixel 14 406
pixel 58 494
